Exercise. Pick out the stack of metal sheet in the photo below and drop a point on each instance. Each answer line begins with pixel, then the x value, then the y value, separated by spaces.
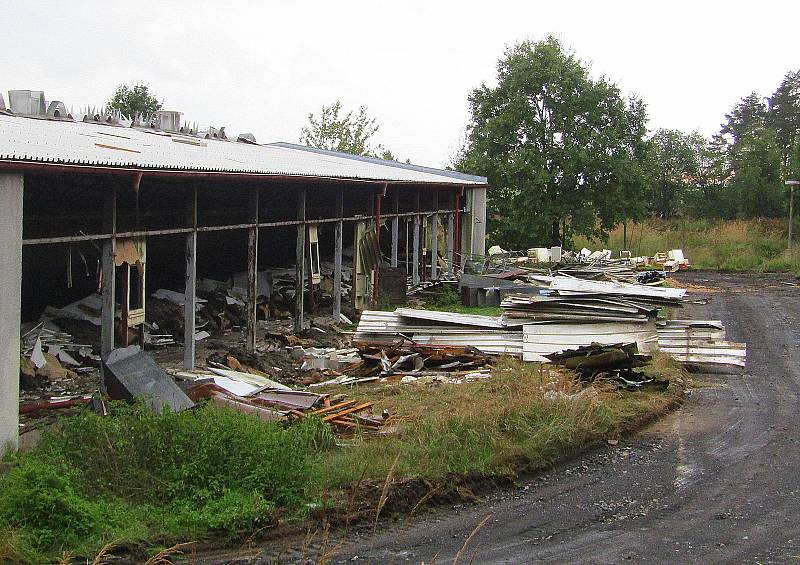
pixel 700 342
pixel 522 309
pixel 541 340
pixel 487 334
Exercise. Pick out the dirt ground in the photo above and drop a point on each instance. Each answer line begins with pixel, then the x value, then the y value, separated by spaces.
pixel 715 481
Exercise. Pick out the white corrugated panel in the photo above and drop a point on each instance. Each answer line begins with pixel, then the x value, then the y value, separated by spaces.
pixel 451 318
pixel 569 284
pixel 92 144
pixel 544 339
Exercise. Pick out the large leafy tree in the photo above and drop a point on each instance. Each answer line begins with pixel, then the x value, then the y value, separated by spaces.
pixel 134 100
pixel 563 152
pixel 784 118
pixel 349 132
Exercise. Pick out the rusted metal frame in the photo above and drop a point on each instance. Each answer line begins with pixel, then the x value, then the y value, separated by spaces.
pixel 415 260
pixel 190 289
pixel 300 260
pixel 252 272
pixel 395 228
pixel 337 256
pixel 178 231
pixel 435 239
pixel 108 287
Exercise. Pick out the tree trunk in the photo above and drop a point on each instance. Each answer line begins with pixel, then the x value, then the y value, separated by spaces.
pixel 555 235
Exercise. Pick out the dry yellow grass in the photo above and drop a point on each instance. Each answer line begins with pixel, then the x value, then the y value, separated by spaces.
pixel 730 245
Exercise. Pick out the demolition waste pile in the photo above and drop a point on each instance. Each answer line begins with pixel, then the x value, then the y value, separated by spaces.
pixel 597 319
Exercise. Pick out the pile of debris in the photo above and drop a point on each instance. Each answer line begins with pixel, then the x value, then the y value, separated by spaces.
pixel 615 361
pixel 415 363
pixel 545 315
pixel 49 355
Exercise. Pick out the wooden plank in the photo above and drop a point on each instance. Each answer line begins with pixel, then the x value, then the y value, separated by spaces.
pixel 347 411
pixel 450 240
pixel 333 408
pixel 300 262
pixel 337 257
pixel 190 282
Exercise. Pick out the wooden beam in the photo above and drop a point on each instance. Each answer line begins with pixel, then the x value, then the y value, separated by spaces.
pixel 337 257
pixel 300 261
pixel 190 280
pixel 252 273
pixel 108 290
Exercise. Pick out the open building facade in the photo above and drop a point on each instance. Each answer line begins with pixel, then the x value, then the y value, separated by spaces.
pixel 99 204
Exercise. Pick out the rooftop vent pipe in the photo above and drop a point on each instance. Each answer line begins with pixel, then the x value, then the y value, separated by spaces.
pixel 168 120
pixel 27 102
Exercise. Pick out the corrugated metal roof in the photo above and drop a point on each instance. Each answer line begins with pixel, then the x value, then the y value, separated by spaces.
pixel 92 144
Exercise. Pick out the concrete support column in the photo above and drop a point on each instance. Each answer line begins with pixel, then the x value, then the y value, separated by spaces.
pixel 337 256
pixel 108 273
pixel 395 228
pixel 450 242
pixel 190 287
pixel 479 221
pixel 11 189
pixel 415 258
pixel 252 273
pixel 435 238
pixel 300 261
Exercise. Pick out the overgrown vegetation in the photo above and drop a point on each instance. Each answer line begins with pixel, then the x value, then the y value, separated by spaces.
pixel 735 245
pixel 136 478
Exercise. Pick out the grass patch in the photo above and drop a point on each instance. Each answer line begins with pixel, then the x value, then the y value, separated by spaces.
pixel 140 479
pixel 726 245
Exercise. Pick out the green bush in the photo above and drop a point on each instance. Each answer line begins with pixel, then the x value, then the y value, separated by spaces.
pixel 137 473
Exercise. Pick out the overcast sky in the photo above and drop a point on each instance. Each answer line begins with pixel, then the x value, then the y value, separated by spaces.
pixel 263 66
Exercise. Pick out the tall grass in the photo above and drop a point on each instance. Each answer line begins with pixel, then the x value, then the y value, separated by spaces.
pixel 727 245
pixel 136 477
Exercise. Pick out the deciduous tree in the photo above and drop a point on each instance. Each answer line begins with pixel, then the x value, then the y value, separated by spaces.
pixel 349 132
pixel 563 151
pixel 134 100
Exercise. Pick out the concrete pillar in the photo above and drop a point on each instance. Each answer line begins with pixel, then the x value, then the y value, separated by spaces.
pixel 190 287
pixel 11 188
pixel 300 261
pixel 435 238
pixel 109 273
pixel 252 273
pixel 337 256
pixel 395 229
pixel 479 221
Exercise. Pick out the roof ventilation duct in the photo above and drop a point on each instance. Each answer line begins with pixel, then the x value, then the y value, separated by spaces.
pixel 3 109
pixel 27 102
pixel 214 133
pixel 246 138
pixel 57 110
pixel 168 120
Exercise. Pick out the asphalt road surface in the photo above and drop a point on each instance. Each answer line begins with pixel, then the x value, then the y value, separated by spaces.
pixel 717 481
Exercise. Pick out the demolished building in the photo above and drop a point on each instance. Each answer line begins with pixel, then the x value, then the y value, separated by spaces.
pixel 99 203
